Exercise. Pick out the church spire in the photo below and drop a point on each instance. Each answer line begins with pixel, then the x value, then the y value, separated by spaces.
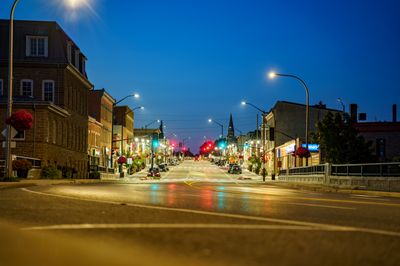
pixel 231 129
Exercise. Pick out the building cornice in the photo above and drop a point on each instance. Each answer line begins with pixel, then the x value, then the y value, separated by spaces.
pixel 79 75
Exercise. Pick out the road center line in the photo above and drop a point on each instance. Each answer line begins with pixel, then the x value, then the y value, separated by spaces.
pixel 321 206
pixel 236 216
pixel 170 226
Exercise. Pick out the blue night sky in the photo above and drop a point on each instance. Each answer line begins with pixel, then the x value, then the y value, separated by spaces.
pixel 191 59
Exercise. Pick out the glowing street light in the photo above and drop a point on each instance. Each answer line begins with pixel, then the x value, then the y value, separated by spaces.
pixel 222 126
pixel 272 75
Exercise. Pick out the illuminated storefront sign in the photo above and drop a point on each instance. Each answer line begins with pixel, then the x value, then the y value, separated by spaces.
pixel 312 147
pixel 291 148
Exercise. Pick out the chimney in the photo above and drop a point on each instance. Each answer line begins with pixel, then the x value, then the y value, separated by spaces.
pixel 394 112
pixel 353 112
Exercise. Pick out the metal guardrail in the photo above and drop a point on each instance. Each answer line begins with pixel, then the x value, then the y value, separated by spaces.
pixel 372 169
pixel 308 170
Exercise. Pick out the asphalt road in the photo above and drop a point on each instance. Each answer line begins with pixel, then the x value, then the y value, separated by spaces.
pixel 195 215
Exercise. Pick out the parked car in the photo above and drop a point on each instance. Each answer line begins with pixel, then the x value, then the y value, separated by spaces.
pixel 163 167
pixel 235 169
pixel 154 172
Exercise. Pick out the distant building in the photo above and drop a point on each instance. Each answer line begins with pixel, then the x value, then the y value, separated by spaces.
pixel 284 129
pixel 50 82
pixel 385 136
pixel 100 115
pixel 230 137
pixel 123 129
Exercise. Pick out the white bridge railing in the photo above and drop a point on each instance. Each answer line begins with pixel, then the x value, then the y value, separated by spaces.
pixel 375 176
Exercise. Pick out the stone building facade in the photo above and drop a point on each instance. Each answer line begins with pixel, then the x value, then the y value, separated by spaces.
pixel 50 82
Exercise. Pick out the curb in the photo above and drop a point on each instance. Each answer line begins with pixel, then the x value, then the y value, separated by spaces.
pixel 301 186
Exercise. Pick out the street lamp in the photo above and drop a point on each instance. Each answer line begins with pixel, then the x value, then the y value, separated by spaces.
pixel 152 122
pixel 273 75
pixel 72 4
pixel 122 126
pixel 263 113
pixel 222 126
pixel 134 95
pixel 255 107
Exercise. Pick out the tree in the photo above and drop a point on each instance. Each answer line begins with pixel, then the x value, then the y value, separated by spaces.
pixel 339 141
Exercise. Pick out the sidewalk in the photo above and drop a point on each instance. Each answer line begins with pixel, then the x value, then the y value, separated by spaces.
pixel 327 189
pixel 48 182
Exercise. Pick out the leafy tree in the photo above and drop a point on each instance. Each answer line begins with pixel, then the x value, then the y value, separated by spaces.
pixel 339 141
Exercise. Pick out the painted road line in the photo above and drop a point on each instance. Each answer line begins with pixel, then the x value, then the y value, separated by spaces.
pixel 320 226
pixel 169 226
pixel 321 206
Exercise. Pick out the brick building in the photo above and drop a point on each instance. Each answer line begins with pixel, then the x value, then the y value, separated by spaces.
pixel 385 136
pixel 100 107
pixel 50 82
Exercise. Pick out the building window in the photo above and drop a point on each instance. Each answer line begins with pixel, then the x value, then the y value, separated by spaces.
pixel 77 55
pixel 37 46
pixel 48 90
pixel 381 148
pixel 1 87
pixel 54 135
pixel 84 66
pixel 20 135
pixel 69 52
pixel 27 87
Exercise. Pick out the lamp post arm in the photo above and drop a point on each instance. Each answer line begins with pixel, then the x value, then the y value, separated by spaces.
pixel 252 105
pixel 299 79
pixel 130 95
pixel 307 99
pixel 222 127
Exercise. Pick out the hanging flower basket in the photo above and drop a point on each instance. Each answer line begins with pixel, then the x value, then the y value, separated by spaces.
pixel 21 120
pixel 121 160
pixel 302 152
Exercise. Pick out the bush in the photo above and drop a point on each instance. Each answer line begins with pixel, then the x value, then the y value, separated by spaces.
pixel 66 171
pixel 51 172
pixel 9 179
pixel 257 170
pixel 94 175
pixel 22 167
pixel 250 167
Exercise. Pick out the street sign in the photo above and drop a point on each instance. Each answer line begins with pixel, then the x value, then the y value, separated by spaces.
pixel 14 132
pixel 13 144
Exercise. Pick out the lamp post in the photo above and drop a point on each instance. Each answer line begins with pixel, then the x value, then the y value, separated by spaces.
pixel 152 122
pixel 135 95
pixel 222 126
pixel 76 4
pixel 10 89
pixel 273 75
pixel 122 126
pixel 263 113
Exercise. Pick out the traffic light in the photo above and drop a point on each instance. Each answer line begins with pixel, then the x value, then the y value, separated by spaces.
pixel 222 144
pixel 155 141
